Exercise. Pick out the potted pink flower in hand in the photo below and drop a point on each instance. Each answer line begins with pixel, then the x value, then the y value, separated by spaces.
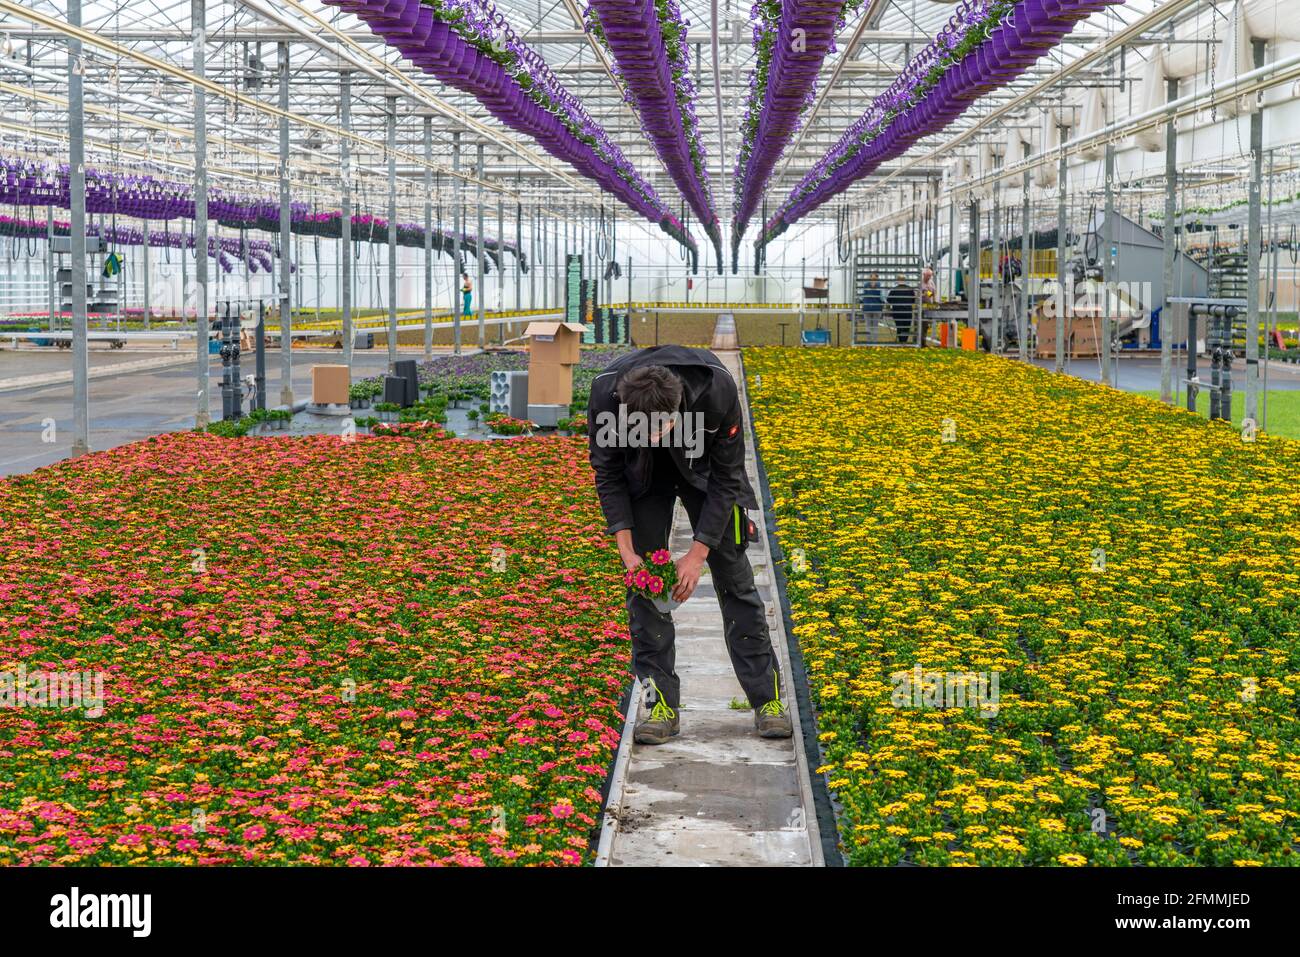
pixel 654 579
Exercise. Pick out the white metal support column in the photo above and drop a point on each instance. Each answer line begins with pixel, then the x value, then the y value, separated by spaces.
pixel 457 229
pixel 286 240
pixel 1062 304
pixel 77 237
pixel 996 231
pixel 428 237
pixel 52 274
pixel 501 252
pixel 973 268
pixel 1253 238
pixel 954 249
pixel 345 236
pixel 479 242
pixel 1026 268
pixel 391 103
pixel 1171 200
pixel 198 17
pixel 145 264
pixel 519 244
pixel 1108 271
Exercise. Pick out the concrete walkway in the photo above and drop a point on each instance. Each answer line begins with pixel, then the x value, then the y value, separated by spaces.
pixel 99 372
pixel 724 334
pixel 717 794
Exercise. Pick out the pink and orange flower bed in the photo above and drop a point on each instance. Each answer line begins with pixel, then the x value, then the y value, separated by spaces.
pixel 381 652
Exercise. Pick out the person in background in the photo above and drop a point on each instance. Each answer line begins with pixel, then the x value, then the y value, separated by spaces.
pixel 928 292
pixel 1010 269
pixel 873 303
pixel 467 290
pixel 902 305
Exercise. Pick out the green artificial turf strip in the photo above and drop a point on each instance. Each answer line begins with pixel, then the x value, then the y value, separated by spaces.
pixel 1283 409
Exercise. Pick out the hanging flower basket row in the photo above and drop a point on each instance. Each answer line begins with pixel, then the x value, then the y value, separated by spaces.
pixel 140 196
pixel 259 254
pixel 986 44
pixel 468 45
pixel 373 229
pixel 791 41
pixel 1281 209
pixel 648 41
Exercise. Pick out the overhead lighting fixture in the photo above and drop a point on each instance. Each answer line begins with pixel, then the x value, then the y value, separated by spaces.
pixel 7 44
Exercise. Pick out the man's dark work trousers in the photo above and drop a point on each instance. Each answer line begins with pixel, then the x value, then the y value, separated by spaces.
pixel 744 623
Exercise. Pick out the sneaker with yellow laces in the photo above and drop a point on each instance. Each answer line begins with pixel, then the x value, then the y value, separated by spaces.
pixel 772 719
pixel 660 724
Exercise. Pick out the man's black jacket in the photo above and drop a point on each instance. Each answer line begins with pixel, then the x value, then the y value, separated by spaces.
pixel 718 469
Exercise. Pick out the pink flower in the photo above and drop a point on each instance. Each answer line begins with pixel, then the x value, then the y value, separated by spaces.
pixel 358 861
pixel 642 578
pixel 656 585
pixel 254 833
pixel 661 557
pixel 562 810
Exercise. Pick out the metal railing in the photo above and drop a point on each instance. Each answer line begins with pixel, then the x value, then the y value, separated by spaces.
pixel 887 291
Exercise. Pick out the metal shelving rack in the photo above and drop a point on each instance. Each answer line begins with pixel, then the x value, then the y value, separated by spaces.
pixel 880 328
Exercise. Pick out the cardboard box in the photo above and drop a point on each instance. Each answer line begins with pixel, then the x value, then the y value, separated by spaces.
pixel 550 383
pixel 329 385
pixel 1082 337
pixel 553 342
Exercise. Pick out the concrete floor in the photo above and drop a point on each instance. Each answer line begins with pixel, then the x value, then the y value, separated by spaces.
pixel 1142 373
pixel 36 361
pixel 128 407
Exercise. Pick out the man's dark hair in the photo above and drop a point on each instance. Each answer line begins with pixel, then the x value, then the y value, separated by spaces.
pixel 649 389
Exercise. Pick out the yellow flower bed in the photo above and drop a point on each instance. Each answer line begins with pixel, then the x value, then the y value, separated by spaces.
pixel 1125 572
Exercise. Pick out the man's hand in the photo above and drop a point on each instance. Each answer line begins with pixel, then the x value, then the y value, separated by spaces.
pixel 626 551
pixel 689 567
